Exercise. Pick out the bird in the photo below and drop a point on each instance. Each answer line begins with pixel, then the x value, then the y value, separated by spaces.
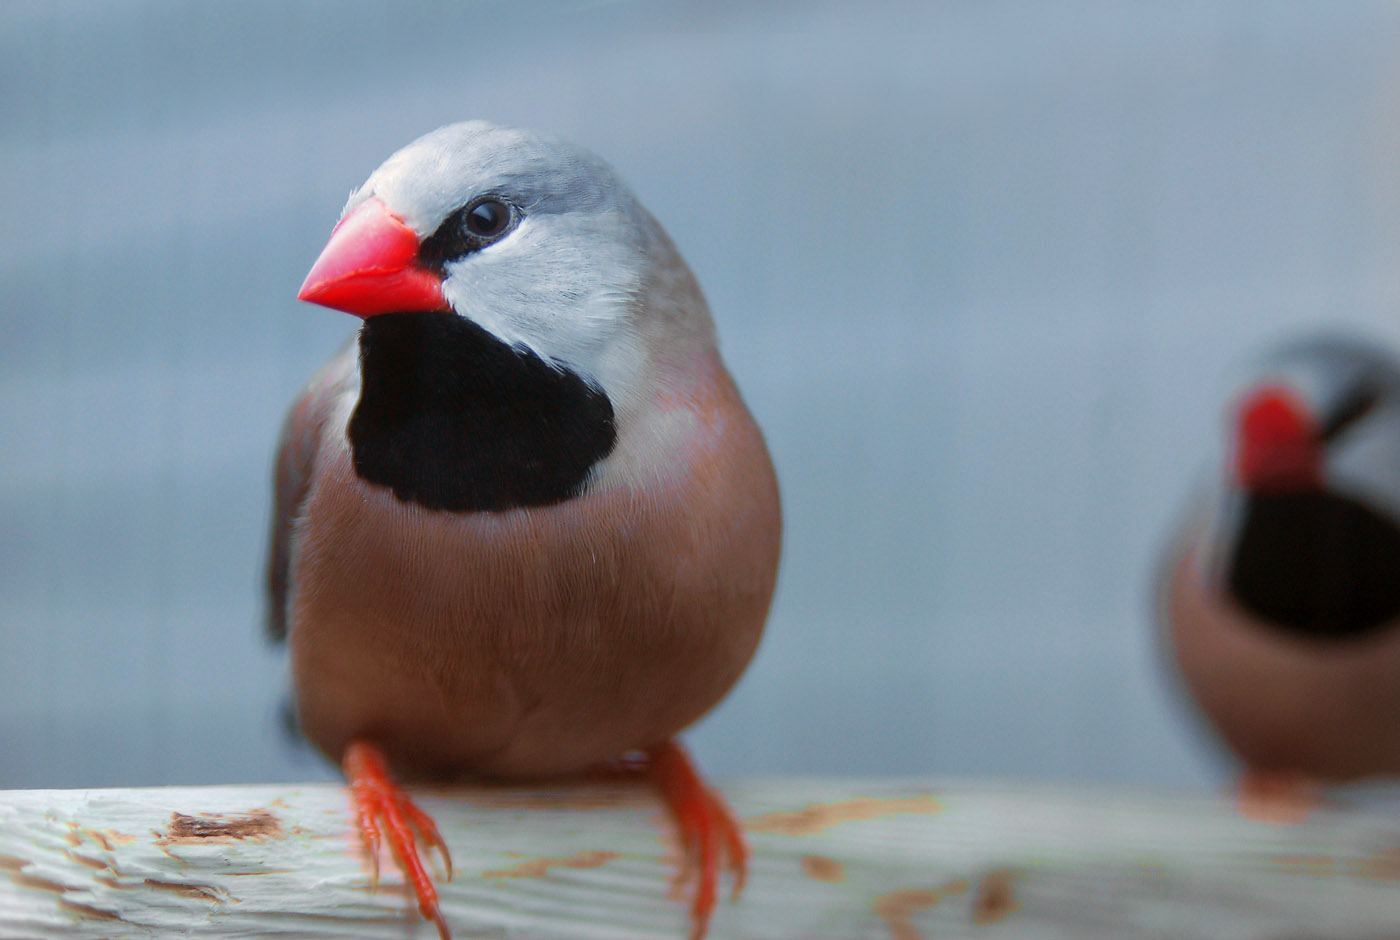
pixel 525 526
pixel 1282 591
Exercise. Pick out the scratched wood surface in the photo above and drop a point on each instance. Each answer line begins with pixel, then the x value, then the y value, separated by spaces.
pixel 846 859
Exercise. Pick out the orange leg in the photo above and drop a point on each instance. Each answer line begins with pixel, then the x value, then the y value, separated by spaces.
pixel 1276 797
pixel 707 827
pixel 378 800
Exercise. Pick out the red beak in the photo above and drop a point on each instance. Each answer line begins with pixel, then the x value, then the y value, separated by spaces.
pixel 370 266
pixel 1277 448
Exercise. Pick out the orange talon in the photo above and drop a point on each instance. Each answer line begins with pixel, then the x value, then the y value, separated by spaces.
pixel 369 828
pixel 428 832
pixel 705 824
pixel 734 845
pixel 378 799
pixel 1280 798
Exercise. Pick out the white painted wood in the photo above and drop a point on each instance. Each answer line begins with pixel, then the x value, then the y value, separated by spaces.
pixel 833 859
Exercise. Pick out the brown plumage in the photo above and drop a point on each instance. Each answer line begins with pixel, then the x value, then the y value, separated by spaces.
pixel 616 587
pixel 1282 599
pixel 1286 704
pixel 531 641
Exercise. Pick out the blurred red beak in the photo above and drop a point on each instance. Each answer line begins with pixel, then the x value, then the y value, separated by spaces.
pixel 1277 448
pixel 370 266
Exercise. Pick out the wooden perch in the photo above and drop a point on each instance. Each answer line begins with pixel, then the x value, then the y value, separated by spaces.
pixel 832 859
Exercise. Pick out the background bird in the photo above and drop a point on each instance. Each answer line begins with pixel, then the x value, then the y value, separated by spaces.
pixel 524 524
pixel 1284 591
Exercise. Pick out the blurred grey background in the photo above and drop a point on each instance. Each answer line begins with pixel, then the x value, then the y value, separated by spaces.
pixel 980 268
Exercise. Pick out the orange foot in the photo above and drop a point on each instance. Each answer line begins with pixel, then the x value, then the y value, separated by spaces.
pixel 707 828
pixel 379 800
pixel 1277 797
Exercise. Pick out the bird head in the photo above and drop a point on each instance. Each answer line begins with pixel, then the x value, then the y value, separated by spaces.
pixel 1308 536
pixel 533 239
pixel 1316 414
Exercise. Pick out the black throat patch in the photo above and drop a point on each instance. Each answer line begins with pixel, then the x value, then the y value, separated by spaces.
pixel 1317 564
pixel 452 418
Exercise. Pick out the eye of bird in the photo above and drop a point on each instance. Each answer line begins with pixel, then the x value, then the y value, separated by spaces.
pixel 487 218
pixel 479 223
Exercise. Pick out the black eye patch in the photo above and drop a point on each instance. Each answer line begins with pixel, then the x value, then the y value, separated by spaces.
pixel 471 228
pixel 1353 408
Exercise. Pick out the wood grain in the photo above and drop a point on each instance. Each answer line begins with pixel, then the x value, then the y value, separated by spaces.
pixel 843 858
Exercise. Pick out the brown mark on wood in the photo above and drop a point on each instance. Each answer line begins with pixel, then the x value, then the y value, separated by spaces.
pixel 539 867
pixel 111 882
pixel 37 883
pixel 256 825
pixel 94 863
pixel 897 908
pixel 1307 864
pixel 14 866
pixel 198 892
pixel 107 839
pixel 1382 866
pixel 995 899
pixel 87 912
pixel 823 868
pixel 820 816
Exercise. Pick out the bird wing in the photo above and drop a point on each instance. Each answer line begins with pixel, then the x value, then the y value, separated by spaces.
pixel 296 461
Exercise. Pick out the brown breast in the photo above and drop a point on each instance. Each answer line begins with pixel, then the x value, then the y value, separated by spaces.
pixel 1285 703
pixel 536 641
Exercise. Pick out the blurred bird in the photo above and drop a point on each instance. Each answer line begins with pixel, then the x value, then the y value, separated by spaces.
pixel 524 525
pixel 1284 597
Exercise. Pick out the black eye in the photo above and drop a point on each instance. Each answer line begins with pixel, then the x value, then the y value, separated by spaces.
pixel 469 229
pixel 487 218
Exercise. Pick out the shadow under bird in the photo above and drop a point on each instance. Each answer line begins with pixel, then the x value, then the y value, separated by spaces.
pixel 1283 599
pixel 525 526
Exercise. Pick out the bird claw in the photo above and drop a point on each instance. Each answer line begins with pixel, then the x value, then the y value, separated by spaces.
pixel 707 830
pixel 1275 797
pixel 379 800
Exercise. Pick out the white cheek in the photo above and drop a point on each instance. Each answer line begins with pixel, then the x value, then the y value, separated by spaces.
pixel 1367 465
pixel 567 299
